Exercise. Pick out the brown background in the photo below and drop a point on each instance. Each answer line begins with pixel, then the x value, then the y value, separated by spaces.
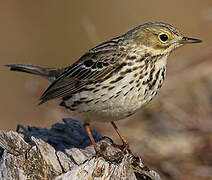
pixel 56 33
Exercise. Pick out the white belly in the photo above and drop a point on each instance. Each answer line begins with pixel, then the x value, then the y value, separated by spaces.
pixel 120 102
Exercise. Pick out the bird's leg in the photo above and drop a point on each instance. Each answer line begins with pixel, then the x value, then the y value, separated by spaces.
pixel 97 150
pixel 125 145
pixel 87 128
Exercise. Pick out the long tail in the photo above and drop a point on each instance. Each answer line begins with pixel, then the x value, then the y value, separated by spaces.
pixel 48 73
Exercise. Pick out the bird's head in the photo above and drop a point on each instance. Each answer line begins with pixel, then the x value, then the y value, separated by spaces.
pixel 159 38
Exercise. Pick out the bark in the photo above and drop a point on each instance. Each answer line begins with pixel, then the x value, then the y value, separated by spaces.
pixel 64 152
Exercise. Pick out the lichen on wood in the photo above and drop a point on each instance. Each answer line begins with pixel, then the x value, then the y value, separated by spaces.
pixel 64 152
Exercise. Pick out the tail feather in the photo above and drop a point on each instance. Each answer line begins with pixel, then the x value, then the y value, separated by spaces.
pixel 49 73
pixel 29 69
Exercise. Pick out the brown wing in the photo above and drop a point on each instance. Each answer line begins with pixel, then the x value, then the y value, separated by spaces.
pixel 93 66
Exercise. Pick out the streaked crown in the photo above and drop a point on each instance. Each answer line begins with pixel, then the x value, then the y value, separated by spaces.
pixel 158 37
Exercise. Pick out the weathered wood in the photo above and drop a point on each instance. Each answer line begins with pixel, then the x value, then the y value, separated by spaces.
pixel 64 152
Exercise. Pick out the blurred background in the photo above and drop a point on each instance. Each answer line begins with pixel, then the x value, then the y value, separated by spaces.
pixel 173 134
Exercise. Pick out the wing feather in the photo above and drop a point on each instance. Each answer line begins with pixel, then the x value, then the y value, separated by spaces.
pixel 93 66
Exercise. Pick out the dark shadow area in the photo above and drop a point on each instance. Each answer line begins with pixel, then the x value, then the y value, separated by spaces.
pixel 61 136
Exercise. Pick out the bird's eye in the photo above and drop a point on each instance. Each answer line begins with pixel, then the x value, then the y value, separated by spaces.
pixel 163 37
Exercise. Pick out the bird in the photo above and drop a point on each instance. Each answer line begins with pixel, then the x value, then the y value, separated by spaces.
pixel 115 79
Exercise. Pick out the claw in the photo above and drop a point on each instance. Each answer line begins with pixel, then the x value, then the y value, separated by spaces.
pixel 124 147
pixel 111 158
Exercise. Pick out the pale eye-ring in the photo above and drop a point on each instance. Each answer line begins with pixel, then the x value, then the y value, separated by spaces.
pixel 163 37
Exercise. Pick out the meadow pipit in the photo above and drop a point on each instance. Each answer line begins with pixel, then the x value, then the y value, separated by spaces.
pixel 114 79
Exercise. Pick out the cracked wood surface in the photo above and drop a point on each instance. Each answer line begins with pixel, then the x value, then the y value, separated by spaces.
pixel 64 152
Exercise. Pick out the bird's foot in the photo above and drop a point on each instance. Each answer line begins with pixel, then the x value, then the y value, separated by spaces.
pixel 111 158
pixel 109 153
pixel 124 147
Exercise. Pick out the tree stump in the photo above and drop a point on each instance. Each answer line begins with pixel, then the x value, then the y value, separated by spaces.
pixel 64 152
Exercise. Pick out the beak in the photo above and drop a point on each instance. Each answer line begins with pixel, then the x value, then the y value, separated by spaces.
pixel 187 40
